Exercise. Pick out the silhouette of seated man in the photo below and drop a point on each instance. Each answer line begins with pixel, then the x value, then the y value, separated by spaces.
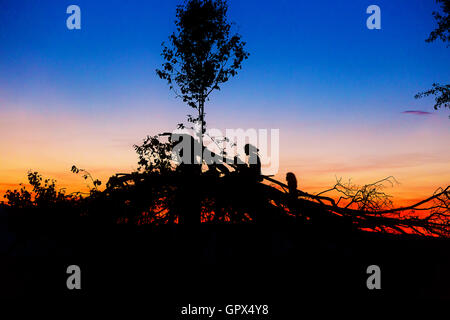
pixel 254 162
pixel 252 169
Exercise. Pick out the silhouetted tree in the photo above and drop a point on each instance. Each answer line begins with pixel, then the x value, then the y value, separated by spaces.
pixel 443 29
pixel 202 53
pixel 441 92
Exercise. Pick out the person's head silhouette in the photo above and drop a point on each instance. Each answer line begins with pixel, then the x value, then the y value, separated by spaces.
pixel 250 149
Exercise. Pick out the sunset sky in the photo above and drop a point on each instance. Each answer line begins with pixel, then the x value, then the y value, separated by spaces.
pixel 337 91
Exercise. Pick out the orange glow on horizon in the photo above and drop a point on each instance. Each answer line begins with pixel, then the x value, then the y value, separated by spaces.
pixel 416 155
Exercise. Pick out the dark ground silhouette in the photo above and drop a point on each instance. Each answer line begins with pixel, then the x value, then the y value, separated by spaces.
pixel 164 230
pixel 173 233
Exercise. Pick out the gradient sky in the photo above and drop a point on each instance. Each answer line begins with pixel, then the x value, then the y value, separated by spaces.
pixel 336 90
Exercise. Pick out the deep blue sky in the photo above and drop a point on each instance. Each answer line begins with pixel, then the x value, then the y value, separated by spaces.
pixel 314 55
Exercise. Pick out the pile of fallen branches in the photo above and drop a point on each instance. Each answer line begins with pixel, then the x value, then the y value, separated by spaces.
pixel 369 208
pixel 160 193
pixel 228 199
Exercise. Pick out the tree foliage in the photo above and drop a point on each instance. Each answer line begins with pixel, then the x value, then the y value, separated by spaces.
pixel 202 54
pixel 441 92
pixel 441 95
pixel 443 20
pixel 154 155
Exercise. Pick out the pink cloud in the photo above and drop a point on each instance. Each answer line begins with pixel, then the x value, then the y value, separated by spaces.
pixel 417 112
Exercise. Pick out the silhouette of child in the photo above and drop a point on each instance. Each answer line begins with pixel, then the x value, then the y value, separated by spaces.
pixel 292 183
